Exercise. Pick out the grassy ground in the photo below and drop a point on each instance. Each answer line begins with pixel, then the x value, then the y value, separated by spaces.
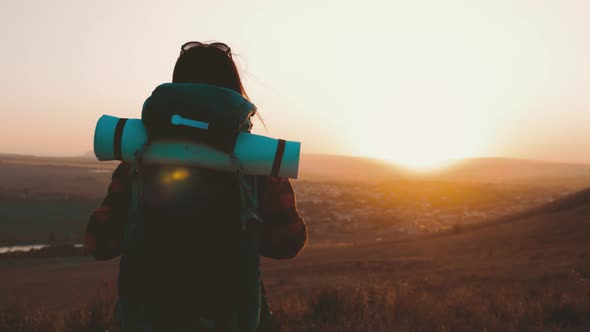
pixel 387 306
pixel 531 274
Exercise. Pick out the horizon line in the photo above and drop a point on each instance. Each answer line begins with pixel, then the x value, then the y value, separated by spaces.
pixel 451 160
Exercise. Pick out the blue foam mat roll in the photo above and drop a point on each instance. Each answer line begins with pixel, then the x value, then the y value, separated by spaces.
pixel 124 139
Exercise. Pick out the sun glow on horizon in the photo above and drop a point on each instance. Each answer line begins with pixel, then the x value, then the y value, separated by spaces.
pixel 423 147
pixel 420 163
pixel 424 133
pixel 423 151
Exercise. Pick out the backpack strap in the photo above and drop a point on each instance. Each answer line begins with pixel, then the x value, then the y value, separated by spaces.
pixel 249 203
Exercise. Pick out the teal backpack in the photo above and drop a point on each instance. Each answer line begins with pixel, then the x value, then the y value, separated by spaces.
pixel 190 257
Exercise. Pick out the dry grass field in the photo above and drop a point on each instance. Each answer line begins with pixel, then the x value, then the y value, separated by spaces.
pixel 530 272
pixel 526 274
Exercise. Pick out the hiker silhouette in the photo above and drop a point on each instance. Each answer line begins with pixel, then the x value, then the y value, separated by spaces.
pixel 190 239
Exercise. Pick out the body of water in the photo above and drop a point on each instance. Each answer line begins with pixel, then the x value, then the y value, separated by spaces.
pixel 100 171
pixel 29 247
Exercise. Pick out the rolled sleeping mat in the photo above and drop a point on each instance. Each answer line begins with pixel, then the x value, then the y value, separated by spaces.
pixel 124 139
pixel 118 138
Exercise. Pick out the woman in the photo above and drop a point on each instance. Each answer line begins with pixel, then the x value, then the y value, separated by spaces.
pixel 281 234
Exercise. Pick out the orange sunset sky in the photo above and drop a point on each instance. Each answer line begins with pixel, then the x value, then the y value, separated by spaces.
pixel 415 82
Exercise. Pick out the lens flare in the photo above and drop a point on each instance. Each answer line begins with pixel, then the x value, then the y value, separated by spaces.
pixel 176 175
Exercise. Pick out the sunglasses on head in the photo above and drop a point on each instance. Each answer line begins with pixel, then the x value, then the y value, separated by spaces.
pixel 220 46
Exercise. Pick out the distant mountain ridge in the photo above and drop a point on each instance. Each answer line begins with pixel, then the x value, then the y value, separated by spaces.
pixel 507 170
pixel 321 167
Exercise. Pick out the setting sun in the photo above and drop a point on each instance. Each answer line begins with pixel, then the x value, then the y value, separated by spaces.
pixel 425 151
pixel 417 162
pixel 424 133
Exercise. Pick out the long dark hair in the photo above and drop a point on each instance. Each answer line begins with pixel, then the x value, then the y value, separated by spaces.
pixel 209 65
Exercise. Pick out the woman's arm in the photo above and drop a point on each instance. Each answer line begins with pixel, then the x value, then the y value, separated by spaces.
pixel 104 231
pixel 284 233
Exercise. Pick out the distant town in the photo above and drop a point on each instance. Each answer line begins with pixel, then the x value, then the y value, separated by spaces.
pixel 50 199
pixel 412 207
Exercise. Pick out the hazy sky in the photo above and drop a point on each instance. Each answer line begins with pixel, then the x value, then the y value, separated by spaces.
pixel 411 81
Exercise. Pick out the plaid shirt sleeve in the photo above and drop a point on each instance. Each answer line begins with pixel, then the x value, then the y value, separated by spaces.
pixel 104 231
pixel 284 233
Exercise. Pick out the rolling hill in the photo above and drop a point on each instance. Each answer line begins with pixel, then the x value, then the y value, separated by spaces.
pixel 531 272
